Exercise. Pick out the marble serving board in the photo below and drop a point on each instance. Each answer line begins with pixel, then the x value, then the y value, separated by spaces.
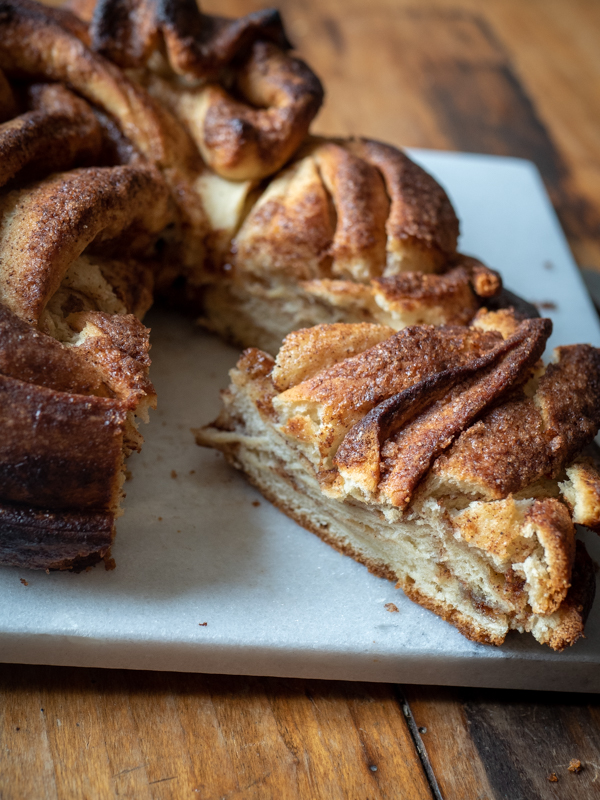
pixel 211 578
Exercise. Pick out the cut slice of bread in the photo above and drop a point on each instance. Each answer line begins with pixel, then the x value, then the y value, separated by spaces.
pixel 445 459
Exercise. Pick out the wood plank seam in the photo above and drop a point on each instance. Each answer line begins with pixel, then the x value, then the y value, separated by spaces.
pixel 418 742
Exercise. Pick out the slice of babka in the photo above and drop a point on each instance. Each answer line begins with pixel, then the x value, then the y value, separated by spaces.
pixel 449 460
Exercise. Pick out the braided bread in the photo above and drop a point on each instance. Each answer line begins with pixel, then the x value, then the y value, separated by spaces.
pixel 191 175
pixel 409 452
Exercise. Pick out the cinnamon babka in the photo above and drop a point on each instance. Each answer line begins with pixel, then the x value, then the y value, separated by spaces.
pixel 150 150
pixel 447 459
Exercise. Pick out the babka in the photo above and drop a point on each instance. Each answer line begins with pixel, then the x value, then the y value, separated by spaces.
pixel 148 150
pixel 447 459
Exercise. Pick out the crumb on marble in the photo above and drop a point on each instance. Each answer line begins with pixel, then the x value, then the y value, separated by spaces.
pixel 392 607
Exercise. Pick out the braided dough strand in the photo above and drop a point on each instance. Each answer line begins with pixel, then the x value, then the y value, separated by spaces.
pixel 246 101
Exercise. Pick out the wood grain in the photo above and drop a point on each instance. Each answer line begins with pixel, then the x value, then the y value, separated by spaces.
pixel 106 733
pixel 496 744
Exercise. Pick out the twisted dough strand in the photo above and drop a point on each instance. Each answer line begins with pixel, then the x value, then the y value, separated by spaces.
pixel 247 103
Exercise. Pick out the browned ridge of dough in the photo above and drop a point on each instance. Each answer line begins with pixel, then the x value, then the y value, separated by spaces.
pixel 245 131
pixel 47 225
pixel 399 439
pixel 59 132
pixel 198 45
pixel 530 437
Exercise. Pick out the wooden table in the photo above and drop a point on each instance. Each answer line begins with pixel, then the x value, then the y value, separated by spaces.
pixel 514 77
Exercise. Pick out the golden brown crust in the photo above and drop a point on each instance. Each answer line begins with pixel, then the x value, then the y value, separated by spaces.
pixel 420 210
pixel 581 490
pixel 452 293
pixel 249 132
pixel 408 455
pixel 361 203
pixel 527 439
pixel 34 357
pixel 578 603
pixel 34 45
pixel 555 531
pixel 59 132
pixel 342 211
pixel 322 244
pixel 117 346
pixel 310 350
pixel 257 136
pixel 197 45
pixel 347 391
pixel 568 399
pixel 40 539
pixel 47 226
pixel 393 446
pixel 59 450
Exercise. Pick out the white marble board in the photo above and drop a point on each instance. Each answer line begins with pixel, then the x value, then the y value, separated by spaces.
pixel 198 548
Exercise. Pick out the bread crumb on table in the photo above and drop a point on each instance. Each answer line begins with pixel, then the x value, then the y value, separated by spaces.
pixel 392 607
pixel 553 777
pixel 203 624
pixel 575 765
pixel 24 582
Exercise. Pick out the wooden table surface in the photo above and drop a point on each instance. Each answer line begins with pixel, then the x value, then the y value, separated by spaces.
pixel 513 77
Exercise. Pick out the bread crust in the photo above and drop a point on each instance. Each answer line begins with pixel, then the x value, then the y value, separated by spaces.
pixel 247 131
pixel 37 539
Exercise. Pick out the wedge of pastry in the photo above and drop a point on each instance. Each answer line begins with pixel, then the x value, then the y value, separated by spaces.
pixel 351 231
pixel 449 460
